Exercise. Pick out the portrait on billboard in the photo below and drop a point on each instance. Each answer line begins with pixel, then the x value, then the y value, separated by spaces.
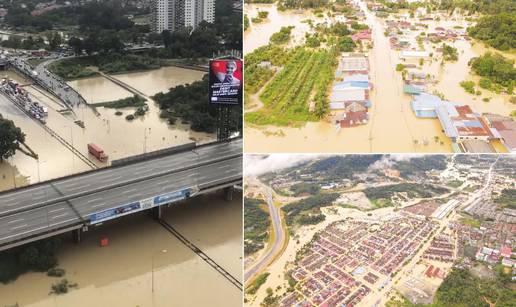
pixel 226 81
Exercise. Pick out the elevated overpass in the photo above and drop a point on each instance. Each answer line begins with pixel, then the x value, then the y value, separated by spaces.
pixel 76 202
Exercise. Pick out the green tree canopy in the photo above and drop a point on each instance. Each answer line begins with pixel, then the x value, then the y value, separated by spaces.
pixel 10 137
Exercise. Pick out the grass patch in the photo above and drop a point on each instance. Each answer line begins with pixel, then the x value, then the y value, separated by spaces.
pixel 75 68
pixel 134 101
pixel 471 222
pixel 454 183
pixel 257 283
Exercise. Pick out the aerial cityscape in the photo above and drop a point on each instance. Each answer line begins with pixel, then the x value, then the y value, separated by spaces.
pixel 379 230
pixel 380 76
pixel 120 150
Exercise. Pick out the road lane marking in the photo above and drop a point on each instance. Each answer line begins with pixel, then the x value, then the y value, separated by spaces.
pixel 93 200
pixel 60 215
pixel 56 210
pixel 14 221
pixel 18 227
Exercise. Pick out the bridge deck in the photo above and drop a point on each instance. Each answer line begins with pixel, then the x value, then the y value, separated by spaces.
pixel 68 201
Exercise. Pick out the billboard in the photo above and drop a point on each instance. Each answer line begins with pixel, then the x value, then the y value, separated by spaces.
pixel 171 197
pixel 137 206
pixel 226 81
pixel 115 212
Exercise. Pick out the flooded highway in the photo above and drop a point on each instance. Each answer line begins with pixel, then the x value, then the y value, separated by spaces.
pixel 113 133
pixel 144 265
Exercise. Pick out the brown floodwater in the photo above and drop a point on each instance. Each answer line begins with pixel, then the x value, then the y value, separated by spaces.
pixel 393 127
pixel 259 33
pixel 117 136
pixel 140 251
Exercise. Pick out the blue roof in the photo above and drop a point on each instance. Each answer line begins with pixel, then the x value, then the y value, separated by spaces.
pixel 426 114
pixel 427 100
pixel 358 84
pixel 446 122
pixel 472 124
pixel 357 77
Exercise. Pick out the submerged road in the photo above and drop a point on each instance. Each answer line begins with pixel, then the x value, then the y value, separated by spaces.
pixel 275 248
pixel 71 200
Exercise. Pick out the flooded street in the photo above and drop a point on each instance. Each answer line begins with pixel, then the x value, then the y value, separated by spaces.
pixel 392 126
pixel 117 136
pixel 147 264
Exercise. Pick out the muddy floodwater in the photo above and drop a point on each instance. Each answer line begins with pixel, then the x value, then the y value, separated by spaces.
pixel 259 33
pixel 113 133
pixel 144 265
pixel 392 127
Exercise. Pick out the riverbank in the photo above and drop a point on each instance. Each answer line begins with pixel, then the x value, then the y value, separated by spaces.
pixel 105 128
pixel 88 66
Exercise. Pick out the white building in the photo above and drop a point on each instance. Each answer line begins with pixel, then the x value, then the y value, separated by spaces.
pixel 174 15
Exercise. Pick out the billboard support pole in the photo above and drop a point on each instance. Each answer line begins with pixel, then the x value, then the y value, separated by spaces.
pixel 224 123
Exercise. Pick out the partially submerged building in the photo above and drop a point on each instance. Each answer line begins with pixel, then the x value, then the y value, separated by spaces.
pixel 459 122
pixel 504 128
pixel 349 98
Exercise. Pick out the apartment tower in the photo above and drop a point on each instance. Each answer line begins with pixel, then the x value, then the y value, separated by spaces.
pixel 174 15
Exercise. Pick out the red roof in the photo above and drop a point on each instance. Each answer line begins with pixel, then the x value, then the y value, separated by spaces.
pixel 506 251
pixel 429 271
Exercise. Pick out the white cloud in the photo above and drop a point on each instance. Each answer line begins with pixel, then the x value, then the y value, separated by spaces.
pixel 255 165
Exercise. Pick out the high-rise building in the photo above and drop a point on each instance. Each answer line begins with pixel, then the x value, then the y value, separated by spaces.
pixel 174 15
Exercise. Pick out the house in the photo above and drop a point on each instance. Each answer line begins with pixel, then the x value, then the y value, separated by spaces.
pixel 505 129
pixel 351 119
pixel 506 251
pixel 425 105
pixel 507 262
pixel 411 89
pixel 461 123
pixel 354 63
pixel 350 91
pixel 476 146
pixel 362 35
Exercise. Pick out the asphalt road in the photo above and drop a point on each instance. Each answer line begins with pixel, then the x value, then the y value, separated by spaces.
pixel 38 209
pixel 56 84
pixel 268 256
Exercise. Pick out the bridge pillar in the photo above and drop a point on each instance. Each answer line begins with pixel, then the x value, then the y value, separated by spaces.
pixel 156 213
pixel 77 235
pixel 228 193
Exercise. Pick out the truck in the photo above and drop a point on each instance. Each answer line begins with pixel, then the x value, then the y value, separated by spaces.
pixel 97 152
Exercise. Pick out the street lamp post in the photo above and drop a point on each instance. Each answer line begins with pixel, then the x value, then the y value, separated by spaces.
pixel 145 139
pixel 152 269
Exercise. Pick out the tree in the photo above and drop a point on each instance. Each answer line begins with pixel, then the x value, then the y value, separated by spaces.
pixel 10 138
pixel 346 44
pixel 76 44
pixel 54 41
pixel 167 38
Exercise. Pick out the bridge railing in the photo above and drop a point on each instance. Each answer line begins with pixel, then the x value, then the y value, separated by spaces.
pixel 149 156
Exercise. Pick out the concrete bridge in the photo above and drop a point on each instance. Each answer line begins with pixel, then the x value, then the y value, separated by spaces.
pixel 147 182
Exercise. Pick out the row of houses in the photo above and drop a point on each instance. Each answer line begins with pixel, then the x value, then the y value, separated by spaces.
pixel 349 99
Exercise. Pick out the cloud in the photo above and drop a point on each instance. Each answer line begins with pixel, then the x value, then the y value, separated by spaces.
pixel 387 161
pixel 255 165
